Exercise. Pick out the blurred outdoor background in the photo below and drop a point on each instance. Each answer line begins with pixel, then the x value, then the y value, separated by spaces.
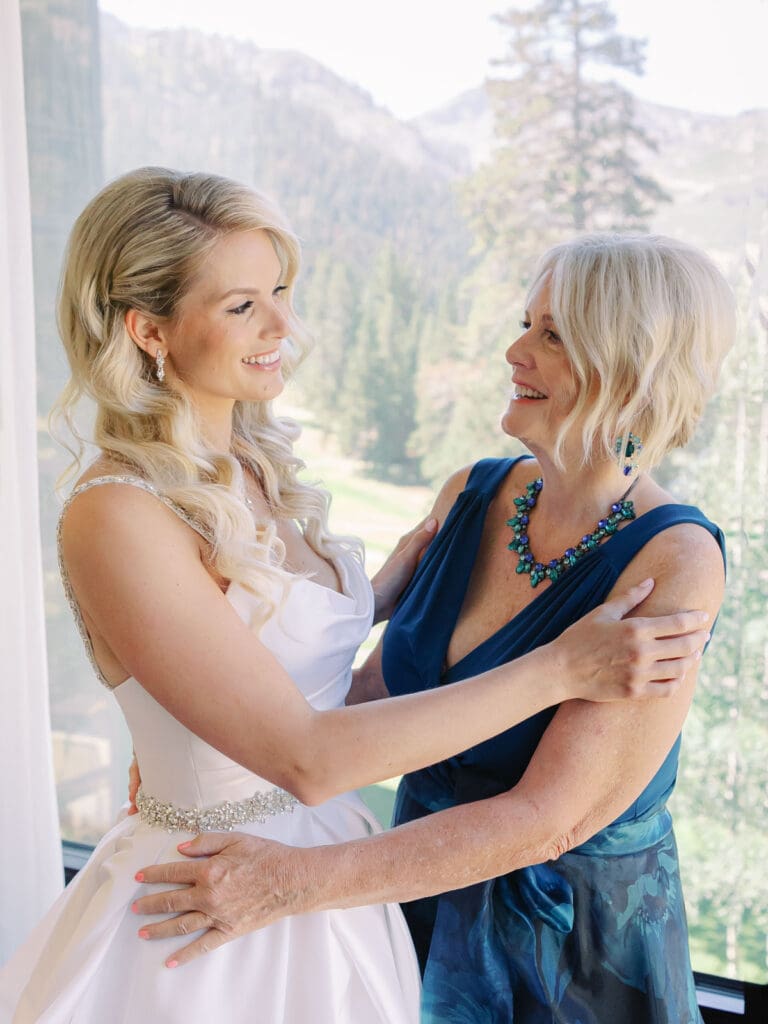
pixel 421 210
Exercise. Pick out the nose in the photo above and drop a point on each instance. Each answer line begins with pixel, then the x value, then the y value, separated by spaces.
pixel 276 325
pixel 519 352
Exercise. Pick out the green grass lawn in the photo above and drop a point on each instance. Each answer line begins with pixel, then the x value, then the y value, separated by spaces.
pixel 377 511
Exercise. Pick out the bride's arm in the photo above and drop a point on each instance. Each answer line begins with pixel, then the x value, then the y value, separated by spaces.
pixel 138 575
pixel 591 764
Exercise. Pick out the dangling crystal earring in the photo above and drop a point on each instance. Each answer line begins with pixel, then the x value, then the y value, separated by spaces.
pixel 160 366
pixel 626 452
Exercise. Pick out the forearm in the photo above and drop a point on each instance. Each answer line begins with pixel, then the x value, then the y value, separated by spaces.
pixel 447 850
pixel 355 746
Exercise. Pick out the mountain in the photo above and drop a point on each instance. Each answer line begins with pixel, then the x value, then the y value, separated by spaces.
pixel 349 175
pixel 463 126
pixel 714 167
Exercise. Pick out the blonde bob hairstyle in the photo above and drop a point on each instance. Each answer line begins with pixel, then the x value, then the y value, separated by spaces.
pixel 646 322
pixel 138 245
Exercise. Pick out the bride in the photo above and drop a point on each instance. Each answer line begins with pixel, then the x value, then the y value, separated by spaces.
pixel 224 616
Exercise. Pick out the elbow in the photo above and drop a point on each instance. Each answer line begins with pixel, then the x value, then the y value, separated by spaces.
pixel 305 779
pixel 311 771
pixel 561 841
pixel 307 790
pixel 557 845
pixel 552 833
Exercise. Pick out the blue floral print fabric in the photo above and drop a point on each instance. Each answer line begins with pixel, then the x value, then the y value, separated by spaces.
pixel 597 936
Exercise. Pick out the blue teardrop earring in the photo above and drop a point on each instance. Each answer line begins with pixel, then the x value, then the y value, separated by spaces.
pixel 627 452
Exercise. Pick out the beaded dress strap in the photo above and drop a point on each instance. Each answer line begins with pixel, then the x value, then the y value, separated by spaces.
pixel 132 481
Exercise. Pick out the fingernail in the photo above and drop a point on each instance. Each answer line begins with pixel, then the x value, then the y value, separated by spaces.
pixel 697 655
pixel 135 908
pixel 143 933
pixel 709 637
pixel 183 846
pixel 139 876
pixel 430 524
pixel 647 583
pixel 172 963
pixel 704 616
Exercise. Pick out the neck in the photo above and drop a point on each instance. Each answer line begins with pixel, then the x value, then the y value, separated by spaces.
pixel 216 425
pixel 574 493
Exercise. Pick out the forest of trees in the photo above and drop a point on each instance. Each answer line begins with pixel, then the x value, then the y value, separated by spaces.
pixel 413 286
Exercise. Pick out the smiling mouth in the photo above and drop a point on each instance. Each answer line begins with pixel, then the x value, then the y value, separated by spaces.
pixel 524 392
pixel 268 359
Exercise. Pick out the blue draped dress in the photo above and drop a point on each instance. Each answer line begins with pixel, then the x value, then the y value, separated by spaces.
pixel 597 936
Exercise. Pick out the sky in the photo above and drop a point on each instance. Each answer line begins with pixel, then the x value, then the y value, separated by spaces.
pixel 416 55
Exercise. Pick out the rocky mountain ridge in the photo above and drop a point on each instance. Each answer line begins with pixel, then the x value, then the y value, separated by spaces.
pixel 345 166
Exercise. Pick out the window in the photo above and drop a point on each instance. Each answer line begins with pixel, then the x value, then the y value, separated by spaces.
pixel 402 286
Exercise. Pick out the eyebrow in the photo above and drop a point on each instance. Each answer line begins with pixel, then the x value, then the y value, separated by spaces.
pixel 245 291
pixel 238 291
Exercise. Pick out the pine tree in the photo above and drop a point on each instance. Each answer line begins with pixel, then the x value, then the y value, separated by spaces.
pixel 379 396
pixel 330 309
pixel 568 159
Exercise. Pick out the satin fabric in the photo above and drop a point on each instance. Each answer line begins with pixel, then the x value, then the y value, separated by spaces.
pixel 85 963
pixel 598 936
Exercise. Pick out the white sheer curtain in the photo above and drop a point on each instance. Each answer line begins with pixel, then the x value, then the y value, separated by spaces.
pixel 30 849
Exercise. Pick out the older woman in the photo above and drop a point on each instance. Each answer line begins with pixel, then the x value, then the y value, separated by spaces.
pixel 222 614
pixel 538 869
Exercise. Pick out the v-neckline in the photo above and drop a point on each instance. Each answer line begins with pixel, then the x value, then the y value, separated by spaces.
pixel 488 497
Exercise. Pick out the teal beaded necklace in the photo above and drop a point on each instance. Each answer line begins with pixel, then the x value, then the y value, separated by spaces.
pixel 538 571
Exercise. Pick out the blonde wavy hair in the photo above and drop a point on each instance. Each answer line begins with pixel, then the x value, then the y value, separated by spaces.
pixel 138 245
pixel 646 322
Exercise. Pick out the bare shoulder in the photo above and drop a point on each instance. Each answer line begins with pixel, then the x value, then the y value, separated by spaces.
pixel 687 566
pixel 116 524
pixel 687 559
pixel 449 492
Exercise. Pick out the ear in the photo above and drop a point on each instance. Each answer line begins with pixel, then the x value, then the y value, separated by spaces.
pixel 145 332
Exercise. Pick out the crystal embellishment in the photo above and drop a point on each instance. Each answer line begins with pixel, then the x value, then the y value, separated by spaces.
pixel 536 571
pixel 133 481
pixel 224 817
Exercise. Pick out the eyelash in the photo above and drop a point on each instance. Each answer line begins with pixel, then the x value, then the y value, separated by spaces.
pixel 526 326
pixel 239 310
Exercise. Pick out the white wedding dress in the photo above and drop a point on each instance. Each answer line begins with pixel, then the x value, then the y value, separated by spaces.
pixel 85 963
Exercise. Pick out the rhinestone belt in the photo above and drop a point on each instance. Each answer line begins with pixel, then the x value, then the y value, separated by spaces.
pixel 223 817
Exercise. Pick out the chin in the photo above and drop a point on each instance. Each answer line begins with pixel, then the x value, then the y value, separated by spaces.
pixel 507 421
pixel 266 390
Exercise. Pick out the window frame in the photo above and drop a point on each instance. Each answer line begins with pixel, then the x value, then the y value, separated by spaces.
pixel 725 993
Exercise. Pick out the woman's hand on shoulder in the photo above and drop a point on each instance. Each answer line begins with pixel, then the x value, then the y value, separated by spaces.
pixel 597 756
pixel 611 656
pixel 395 575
